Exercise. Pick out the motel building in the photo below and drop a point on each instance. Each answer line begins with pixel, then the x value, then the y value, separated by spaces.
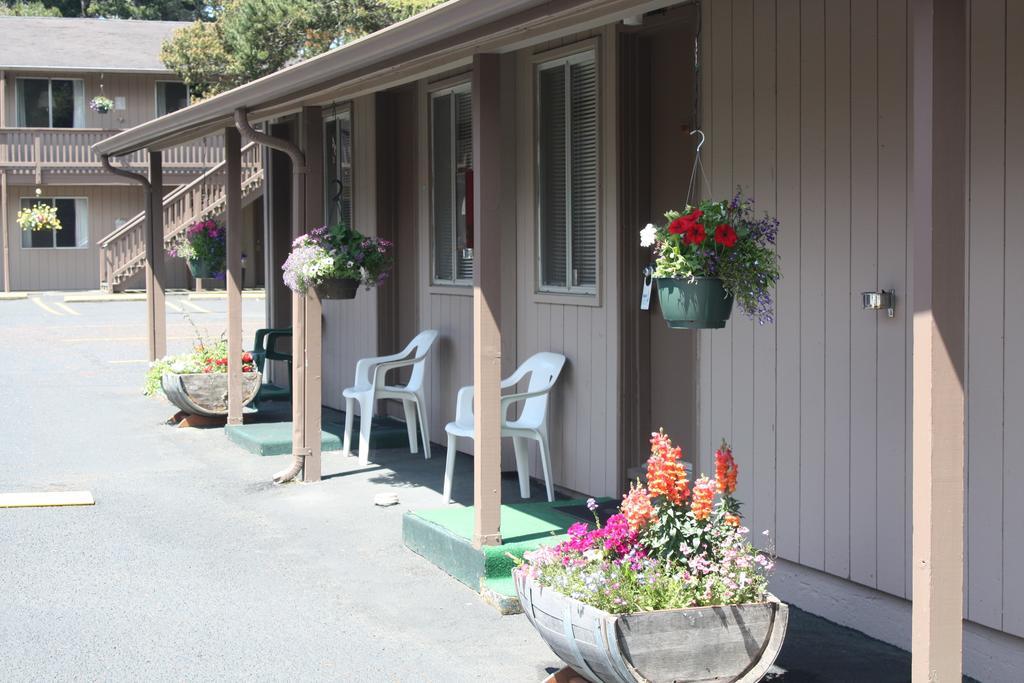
pixel 513 149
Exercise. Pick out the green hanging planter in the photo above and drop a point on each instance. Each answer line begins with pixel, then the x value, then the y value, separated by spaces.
pixel 204 269
pixel 701 303
pixel 340 288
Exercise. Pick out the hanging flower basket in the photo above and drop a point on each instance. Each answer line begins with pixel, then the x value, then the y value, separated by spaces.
pixel 204 269
pixel 700 303
pixel 39 217
pixel 710 254
pixel 203 247
pixel 342 288
pixel 101 104
pixel 334 261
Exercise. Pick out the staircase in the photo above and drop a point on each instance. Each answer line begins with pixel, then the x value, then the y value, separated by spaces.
pixel 123 251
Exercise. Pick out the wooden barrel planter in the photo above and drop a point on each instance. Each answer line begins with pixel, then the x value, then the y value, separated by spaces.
pixel 207 393
pixel 736 643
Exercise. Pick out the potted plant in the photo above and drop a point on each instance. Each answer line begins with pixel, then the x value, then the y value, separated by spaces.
pixel 101 104
pixel 709 255
pixel 668 589
pixel 202 245
pixel 196 382
pixel 334 261
pixel 39 216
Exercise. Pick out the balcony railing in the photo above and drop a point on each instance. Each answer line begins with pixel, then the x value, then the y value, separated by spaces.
pixel 69 150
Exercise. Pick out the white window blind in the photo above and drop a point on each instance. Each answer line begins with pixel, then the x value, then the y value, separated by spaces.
pixel 73 214
pixel 338 169
pixel 451 175
pixel 567 173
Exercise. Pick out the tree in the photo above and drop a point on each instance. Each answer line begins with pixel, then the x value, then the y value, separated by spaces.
pixel 247 39
pixel 28 9
pixel 167 10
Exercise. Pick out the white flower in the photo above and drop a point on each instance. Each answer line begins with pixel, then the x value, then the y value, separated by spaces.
pixel 648 235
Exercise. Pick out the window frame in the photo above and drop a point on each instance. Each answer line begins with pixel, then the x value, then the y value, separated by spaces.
pixel 450 86
pixel 32 199
pixel 18 108
pixel 564 57
pixel 342 110
pixel 156 96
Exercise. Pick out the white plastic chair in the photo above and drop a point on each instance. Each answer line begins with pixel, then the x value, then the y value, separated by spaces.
pixel 532 422
pixel 370 386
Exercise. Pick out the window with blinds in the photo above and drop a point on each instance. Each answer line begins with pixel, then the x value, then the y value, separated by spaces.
pixel 338 169
pixel 567 173
pixel 451 185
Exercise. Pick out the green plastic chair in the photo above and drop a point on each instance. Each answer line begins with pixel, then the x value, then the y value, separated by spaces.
pixel 265 348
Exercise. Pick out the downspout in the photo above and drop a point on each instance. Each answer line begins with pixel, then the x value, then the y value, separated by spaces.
pixel 298 160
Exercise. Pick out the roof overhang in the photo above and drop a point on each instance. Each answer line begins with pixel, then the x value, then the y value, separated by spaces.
pixel 84 70
pixel 438 40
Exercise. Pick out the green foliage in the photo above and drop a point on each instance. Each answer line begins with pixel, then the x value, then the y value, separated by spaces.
pixel 165 10
pixel 248 39
pixel 35 8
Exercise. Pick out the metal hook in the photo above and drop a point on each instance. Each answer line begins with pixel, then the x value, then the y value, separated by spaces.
pixel 701 143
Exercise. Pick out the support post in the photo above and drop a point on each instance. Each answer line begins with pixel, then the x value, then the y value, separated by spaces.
pixel 6 231
pixel 938 239
pixel 234 234
pixel 311 199
pixel 156 312
pixel 487 212
pixel 306 381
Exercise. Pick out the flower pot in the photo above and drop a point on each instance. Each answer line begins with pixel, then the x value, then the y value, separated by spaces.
pixel 736 643
pixel 344 288
pixel 207 393
pixel 701 303
pixel 204 269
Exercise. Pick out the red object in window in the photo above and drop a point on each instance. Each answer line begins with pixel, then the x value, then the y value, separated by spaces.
pixel 468 177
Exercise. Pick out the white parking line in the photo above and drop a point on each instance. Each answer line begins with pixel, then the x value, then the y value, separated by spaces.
pixel 195 307
pixel 64 307
pixel 173 306
pixel 41 304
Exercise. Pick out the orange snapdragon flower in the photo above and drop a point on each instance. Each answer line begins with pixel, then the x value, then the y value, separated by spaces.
pixel 726 469
pixel 636 506
pixel 703 497
pixel 666 475
pixel 732 520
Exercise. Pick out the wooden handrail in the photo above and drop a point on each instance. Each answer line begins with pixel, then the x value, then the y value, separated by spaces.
pixel 33 150
pixel 121 251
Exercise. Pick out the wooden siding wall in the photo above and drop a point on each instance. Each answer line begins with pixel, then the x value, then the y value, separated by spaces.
pixel 584 412
pixel 350 329
pixel 139 91
pixel 806 108
pixel 70 268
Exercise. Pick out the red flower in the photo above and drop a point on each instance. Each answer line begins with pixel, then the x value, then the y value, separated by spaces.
pixel 725 235
pixel 695 235
pixel 246 357
pixel 679 226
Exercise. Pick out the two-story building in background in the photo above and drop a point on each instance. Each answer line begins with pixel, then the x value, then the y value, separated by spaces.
pixel 50 71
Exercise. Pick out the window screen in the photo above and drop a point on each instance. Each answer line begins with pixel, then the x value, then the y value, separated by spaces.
pixel 451 158
pixel 170 97
pixel 567 173
pixel 50 103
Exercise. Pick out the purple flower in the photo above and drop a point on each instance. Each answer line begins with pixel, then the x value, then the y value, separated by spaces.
pixel 591 504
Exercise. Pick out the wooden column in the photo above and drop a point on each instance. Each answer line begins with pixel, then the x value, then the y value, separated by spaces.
pixel 235 235
pixel 938 181
pixel 6 230
pixel 311 202
pixel 487 212
pixel 156 313
pixel 3 186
